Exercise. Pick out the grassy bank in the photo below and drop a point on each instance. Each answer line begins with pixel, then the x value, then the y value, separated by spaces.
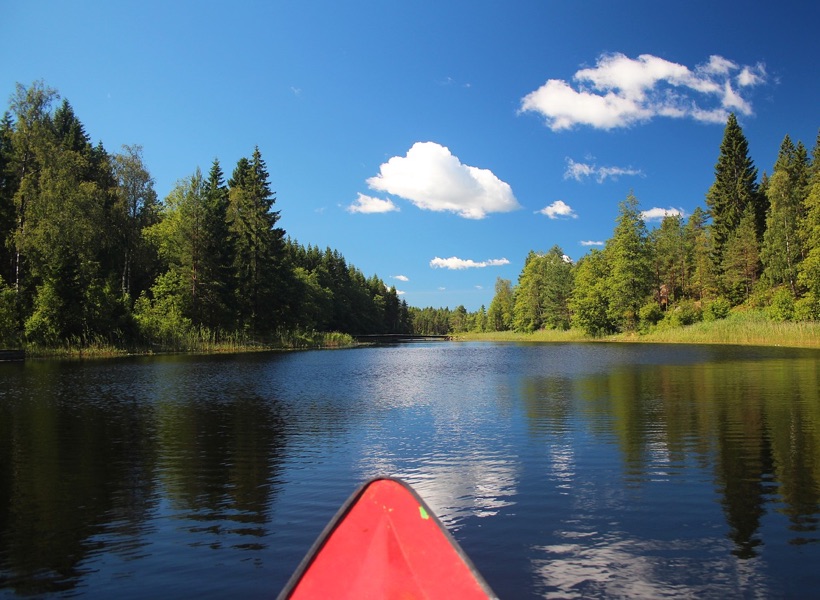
pixel 749 329
pixel 195 345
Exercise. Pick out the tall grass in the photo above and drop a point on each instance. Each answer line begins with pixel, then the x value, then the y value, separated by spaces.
pixel 749 328
pixel 543 335
pixel 194 341
pixel 746 328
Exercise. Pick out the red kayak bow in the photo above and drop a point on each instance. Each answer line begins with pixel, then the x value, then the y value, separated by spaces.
pixel 385 542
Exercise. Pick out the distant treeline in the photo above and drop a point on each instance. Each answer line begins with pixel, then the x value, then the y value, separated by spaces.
pixel 755 247
pixel 90 256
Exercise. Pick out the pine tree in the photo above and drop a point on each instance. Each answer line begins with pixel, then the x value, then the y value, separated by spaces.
pixel 733 190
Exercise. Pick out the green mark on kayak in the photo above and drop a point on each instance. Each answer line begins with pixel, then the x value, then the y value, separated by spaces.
pixel 423 513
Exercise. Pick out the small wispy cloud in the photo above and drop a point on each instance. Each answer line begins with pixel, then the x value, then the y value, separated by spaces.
pixel 620 91
pixel 456 264
pixel 558 209
pixel 368 205
pixel 657 214
pixel 580 171
pixel 401 277
pixel 591 243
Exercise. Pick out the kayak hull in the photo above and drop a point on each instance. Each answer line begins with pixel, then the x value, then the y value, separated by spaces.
pixel 385 542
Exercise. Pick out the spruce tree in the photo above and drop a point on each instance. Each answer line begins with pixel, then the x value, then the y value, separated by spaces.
pixel 734 188
pixel 219 248
pixel 258 246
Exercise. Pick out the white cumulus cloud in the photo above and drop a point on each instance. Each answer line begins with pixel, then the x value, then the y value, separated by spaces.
pixel 369 205
pixel 557 209
pixel 432 178
pixel 456 264
pixel 401 277
pixel 621 91
pixel 656 214
pixel 579 171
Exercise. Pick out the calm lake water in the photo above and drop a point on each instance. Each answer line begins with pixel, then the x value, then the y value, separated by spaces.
pixel 564 470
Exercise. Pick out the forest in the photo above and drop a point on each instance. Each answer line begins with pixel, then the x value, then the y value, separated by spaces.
pixel 755 247
pixel 91 257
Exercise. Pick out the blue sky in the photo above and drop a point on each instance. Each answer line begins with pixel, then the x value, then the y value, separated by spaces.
pixel 434 143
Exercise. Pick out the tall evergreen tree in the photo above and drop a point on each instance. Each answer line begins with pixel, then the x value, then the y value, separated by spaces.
pixel 258 246
pixel 218 246
pixel 630 279
pixel 734 188
pixel 783 247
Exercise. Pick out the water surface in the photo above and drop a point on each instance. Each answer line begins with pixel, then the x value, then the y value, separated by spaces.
pixel 564 470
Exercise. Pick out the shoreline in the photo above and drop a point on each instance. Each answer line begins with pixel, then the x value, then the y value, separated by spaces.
pixel 739 329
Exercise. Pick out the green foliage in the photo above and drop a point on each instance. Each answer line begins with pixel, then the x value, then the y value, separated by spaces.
pixel 9 331
pixel 43 326
pixel 686 312
pixel 781 307
pixel 82 233
pixel 734 189
pixel 807 308
pixel 590 298
pixel 630 276
pixel 134 208
pixel 809 269
pixel 649 315
pixel 740 261
pixel 500 314
pixel 786 230
pixel 161 321
pixel 542 295
pixel 716 309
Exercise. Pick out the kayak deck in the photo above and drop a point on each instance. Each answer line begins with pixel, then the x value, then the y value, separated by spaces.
pixel 385 542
